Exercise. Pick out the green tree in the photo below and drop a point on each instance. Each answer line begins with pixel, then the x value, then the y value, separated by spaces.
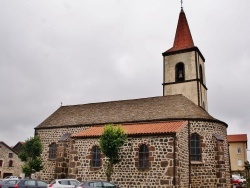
pixel 247 169
pixel 112 139
pixel 30 155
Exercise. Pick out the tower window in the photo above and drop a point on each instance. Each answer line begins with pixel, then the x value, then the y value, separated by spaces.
pixel 201 74
pixel 179 72
pixel 52 151
pixel 195 147
pixel 96 157
pixel 143 156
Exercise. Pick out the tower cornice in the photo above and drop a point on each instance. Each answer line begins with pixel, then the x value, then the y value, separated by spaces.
pixel 167 53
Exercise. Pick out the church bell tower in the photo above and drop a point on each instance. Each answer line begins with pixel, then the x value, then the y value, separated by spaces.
pixel 184 67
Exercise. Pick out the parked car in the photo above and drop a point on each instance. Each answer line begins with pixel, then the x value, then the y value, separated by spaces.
pixel 237 180
pixel 8 183
pixel 64 183
pixel 97 183
pixel 11 178
pixel 26 183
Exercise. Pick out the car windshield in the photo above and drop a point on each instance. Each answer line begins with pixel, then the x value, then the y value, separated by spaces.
pixel 12 182
pixel 74 182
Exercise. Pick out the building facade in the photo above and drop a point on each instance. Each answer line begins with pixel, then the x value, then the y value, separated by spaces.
pixel 238 152
pixel 10 164
pixel 172 140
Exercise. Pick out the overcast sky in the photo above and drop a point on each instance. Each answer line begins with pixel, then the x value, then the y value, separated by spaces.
pixel 84 51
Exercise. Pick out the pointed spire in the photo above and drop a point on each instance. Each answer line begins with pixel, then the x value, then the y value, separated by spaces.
pixel 183 38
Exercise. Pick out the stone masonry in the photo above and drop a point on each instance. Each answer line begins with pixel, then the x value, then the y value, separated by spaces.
pixel 7 155
pixel 169 159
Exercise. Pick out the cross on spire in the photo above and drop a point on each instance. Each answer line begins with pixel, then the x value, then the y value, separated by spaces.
pixel 181 4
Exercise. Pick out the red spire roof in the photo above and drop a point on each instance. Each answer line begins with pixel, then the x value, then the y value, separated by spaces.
pixel 183 38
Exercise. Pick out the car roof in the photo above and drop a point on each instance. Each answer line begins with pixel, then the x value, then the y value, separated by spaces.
pixel 97 181
pixel 66 179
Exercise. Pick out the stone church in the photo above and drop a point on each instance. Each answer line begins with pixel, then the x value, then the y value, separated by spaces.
pixel 172 140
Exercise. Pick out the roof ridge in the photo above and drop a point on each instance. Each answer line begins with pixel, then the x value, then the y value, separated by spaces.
pixel 122 100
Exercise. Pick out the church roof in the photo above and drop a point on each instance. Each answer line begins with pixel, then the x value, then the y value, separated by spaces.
pixel 164 108
pixel 183 41
pixel 183 38
pixel 138 129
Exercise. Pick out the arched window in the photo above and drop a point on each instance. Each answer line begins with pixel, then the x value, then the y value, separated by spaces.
pixel 201 74
pixel 96 157
pixel 143 156
pixel 195 147
pixel 10 163
pixel 179 72
pixel 52 151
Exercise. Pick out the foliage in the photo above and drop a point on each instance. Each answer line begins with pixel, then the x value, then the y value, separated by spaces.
pixel 30 155
pixel 112 139
pixel 247 169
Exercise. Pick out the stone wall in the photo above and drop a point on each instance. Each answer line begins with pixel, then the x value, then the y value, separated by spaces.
pixel 182 158
pixel 126 174
pixel 48 136
pixel 214 169
pixel 169 159
pixel 62 160
pixel 15 169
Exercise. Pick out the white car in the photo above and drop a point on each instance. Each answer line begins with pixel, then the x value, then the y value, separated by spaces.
pixel 64 183
pixel 239 178
pixel 11 178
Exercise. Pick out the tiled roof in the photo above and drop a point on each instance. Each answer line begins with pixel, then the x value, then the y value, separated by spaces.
pixel 183 38
pixel 237 138
pixel 10 148
pixel 172 107
pixel 138 129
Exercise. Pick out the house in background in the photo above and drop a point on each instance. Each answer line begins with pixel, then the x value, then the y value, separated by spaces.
pixel 10 164
pixel 17 148
pixel 238 152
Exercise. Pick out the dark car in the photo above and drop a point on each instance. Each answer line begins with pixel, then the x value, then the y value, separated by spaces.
pixel 8 183
pixel 97 183
pixel 28 183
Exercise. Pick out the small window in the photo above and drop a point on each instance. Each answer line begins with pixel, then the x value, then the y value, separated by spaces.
pixel 30 183
pixel 239 163
pixel 1 162
pixel 74 182
pixel 107 184
pixel 96 157
pixel 41 184
pixel 10 163
pixel 238 150
pixel 201 74
pixel 12 182
pixel 52 151
pixel 195 147
pixel 179 72
pixel 64 182
pixel 95 184
pixel 10 155
pixel 143 156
